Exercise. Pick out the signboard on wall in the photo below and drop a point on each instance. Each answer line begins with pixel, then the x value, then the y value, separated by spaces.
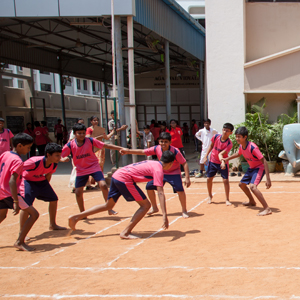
pixel 51 122
pixel 15 124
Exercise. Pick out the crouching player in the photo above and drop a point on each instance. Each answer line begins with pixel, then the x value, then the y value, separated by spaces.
pixel 124 184
pixel 258 168
pixel 11 167
pixel 37 173
pixel 86 162
pixel 172 175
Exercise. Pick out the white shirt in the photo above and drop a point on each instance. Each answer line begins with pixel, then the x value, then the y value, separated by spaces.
pixel 205 137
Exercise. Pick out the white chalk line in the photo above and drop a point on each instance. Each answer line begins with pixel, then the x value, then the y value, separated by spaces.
pixel 44 214
pixel 183 268
pixel 86 296
pixel 82 240
pixel 151 235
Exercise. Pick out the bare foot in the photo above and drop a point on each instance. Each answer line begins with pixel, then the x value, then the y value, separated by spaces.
pixel 209 199
pixel 265 212
pixel 152 211
pixel 249 203
pixel 112 212
pixel 185 214
pixel 129 236
pixel 56 227
pixel 72 222
pixel 228 203
pixel 23 247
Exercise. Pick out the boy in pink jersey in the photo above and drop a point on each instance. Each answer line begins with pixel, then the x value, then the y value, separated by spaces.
pixel 5 138
pixel 258 168
pixel 219 143
pixel 36 176
pixel 86 162
pixel 124 184
pixel 11 167
pixel 172 175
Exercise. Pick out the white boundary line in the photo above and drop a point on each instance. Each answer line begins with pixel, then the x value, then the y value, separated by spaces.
pixel 142 241
pixel 187 269
pixel 88 296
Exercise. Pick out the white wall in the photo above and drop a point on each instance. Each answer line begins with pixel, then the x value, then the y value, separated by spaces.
pixel 225 61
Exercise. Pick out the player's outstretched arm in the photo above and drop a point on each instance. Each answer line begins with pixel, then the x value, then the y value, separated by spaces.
pixel 14 192
pixel 187 174
pixel 64 159
pixel 162 201
pixel 113 147
pixel 132 151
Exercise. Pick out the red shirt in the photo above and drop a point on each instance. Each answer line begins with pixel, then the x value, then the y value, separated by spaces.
pixel 89 131
pixel 176 137
pixel 58 128
pixel 194 129
pixel 155 131
pixel 40 138
pixel 30 132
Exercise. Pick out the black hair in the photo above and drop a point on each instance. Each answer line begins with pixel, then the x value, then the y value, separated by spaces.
pixel 112 112
pixel 52 148
pixel 152 121
pixel 156 125
pixel 78 119
pixel 22 138
pixel 44 123
pixel 146 127
pixel 165 136
pixel 78 127
pixel 242 131
pixel 171 122
pixel 2 120
pixel 37 124
pixel 28 124
pixel 94 117
pixel 164 123
pixel 207 120
pixel 167 157
pixel 194 120
pixel 228 126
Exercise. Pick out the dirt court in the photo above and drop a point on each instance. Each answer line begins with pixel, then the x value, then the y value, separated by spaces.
pixel 220 252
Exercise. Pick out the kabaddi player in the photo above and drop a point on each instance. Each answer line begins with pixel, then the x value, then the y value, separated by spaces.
pixel 124 184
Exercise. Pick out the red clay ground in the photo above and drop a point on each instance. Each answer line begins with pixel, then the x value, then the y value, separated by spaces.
pixel 218 253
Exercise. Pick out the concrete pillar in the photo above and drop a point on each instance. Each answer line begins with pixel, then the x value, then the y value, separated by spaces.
pixel 15 80
pixel 120 83
pixel 2 99
pixel 202 108
pixel 167 81
pixel 90 88
pixel 74 83
pixel 130 42
pixel 298 107
pixel 57 83
pixel 37 84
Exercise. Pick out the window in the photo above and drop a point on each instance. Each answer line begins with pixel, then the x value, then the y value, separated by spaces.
pixel 85 85
pixel 78 84
pixel 93 86
pixel 20 69
pixel 43 72
pixel 20 84
pixel 45 87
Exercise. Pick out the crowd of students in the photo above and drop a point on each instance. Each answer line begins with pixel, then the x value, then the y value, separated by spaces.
pixel 22 182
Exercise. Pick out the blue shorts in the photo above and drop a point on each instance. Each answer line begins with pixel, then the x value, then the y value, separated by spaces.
pixel 130 191
pixel 253 176
pixel 174 180
pixel 41 190
pixel 213 168
pixel 81 181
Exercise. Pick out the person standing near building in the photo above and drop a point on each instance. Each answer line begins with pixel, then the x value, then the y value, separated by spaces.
pixel 205 135
pixel 40 138
pixel 29 131
pixel 194 131
pixel 5 138
pixel 58 132
pixel 118 128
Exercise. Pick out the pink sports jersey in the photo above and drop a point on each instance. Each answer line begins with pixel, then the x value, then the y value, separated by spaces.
pixel 10 163
pixel 34 169
pixel 5 137
pixel 83 156
pixel 252 154
pixel 179 159
pixel 143 171
pixel 218 147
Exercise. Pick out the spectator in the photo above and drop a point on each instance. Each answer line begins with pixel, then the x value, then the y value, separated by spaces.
pixel 29 130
